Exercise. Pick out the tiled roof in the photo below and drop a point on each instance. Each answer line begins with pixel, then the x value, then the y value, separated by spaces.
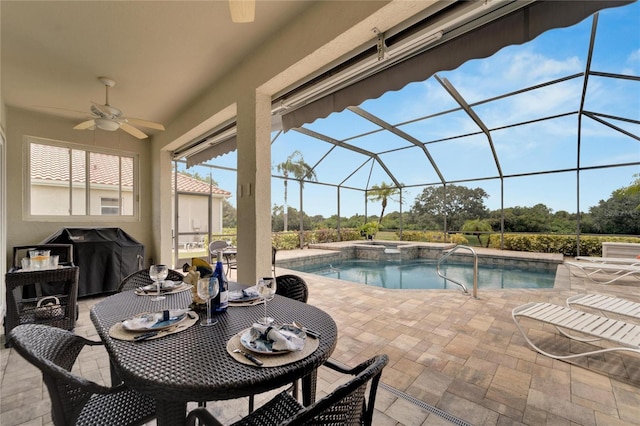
pixel 46 162
pixel 189 184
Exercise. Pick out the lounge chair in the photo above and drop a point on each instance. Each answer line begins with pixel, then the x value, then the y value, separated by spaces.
pixel 604 273
pixel 611 260
pixel 606 304
pixel 594 326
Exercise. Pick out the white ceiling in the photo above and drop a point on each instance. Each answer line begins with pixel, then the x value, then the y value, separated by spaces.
pixel 162 54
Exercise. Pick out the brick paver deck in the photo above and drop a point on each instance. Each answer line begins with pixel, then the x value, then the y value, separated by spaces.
pixel 449 353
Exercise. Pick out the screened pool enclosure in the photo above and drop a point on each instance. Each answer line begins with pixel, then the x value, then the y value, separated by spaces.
pixel 554 120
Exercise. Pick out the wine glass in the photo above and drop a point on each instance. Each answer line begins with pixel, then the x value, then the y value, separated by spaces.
pixel 266 289
pixel 158 273
pixel 208 288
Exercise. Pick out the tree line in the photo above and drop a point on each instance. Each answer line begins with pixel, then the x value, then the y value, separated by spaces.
pixel 619 214
pixel 454 208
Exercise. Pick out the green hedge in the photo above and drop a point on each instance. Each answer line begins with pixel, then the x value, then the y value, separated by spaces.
pixel 291 240
pixel 433 237
pixel 590 245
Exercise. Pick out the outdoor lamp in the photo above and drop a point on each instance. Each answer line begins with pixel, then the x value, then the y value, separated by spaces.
pixel 106 124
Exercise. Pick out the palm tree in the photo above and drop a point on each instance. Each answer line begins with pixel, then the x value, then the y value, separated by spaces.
pixel 382 193
pixel 294 165
pixel 477 227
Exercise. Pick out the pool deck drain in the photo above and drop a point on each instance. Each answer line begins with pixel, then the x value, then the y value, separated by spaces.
pixel 430 408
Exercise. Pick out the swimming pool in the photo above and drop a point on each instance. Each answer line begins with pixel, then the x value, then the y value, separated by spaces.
pixel 421 274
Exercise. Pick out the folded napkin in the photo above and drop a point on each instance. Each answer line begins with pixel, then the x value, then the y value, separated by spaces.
pixel 271 338
pixel 154 319
pixel 249 293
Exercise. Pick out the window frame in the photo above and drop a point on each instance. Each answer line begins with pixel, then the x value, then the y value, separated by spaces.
pixel 87 150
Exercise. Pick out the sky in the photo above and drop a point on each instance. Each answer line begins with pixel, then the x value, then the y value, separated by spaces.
pixel 541 147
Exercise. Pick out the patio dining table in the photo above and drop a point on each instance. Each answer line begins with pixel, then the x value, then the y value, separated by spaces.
pixel 194 365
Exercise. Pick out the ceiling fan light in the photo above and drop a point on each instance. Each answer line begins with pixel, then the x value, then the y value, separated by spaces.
pixel 242 11
pixel 105 124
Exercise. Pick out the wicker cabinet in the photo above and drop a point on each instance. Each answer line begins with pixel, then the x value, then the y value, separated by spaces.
pixel 44 297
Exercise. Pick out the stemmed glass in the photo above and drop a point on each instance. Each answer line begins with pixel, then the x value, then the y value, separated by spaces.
pixel 266 289
pixel 158 273
pixel 208 289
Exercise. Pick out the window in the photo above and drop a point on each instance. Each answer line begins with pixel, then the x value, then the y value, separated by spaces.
pixel 68 180
pixel 109 206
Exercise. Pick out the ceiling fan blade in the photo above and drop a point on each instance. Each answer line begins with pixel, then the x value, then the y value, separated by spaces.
pixel 61 109
pixel 144 123
pixel 85 125
pixel 132 131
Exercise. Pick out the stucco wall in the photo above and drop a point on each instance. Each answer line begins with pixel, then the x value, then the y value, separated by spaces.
pixel 21 231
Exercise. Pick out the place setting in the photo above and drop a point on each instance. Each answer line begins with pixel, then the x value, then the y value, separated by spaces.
pixel 246 297
pixel 153 325
pixel 166 287
pixel 160 285
pixel 267 343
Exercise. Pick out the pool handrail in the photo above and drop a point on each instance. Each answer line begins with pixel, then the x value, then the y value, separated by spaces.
pixel 475 269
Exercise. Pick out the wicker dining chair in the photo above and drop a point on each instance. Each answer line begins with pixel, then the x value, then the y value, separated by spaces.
pixel 347 404
pixel 141 278
pixel 293 287
pixel 74 399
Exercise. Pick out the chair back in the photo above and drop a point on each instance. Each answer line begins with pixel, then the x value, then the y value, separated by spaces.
pixel 293 287
pixel 64 251
pixel 141 278
pixel 214 246
pixel 54 351
pixel 347 404
pixel 273 259
pixel 74 399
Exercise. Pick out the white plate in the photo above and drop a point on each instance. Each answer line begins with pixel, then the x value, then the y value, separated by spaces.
pixel 245 340
pixel 153 321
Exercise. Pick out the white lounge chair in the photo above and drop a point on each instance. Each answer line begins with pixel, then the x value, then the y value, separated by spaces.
pixel 611 260
pixel 604 273
pixel 606 304
pixel 591 325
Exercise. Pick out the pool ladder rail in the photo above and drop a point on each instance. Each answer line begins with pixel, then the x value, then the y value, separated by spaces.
pixel 475 269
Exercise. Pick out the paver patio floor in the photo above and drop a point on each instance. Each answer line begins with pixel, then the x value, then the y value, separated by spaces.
pixel 449 353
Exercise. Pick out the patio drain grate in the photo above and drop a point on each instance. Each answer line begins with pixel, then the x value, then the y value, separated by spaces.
pixel 424 405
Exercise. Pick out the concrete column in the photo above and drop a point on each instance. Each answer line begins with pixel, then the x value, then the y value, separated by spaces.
pixel 254 187
pixel 161 211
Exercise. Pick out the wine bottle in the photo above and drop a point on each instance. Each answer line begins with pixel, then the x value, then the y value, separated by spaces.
pixel 222 299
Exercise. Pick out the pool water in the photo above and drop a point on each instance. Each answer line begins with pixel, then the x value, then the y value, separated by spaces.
pixel 421 274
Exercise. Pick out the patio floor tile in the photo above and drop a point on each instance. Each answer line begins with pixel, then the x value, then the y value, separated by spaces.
pixel 447 352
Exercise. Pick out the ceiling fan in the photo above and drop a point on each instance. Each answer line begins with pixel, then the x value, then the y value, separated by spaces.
pixel 109 118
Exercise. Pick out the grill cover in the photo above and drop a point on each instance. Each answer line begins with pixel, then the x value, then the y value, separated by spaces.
pixel 105 256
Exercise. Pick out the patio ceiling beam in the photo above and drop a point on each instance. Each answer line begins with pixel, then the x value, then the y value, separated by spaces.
pixel 378 121
pixel 471 113
pixel 341 144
